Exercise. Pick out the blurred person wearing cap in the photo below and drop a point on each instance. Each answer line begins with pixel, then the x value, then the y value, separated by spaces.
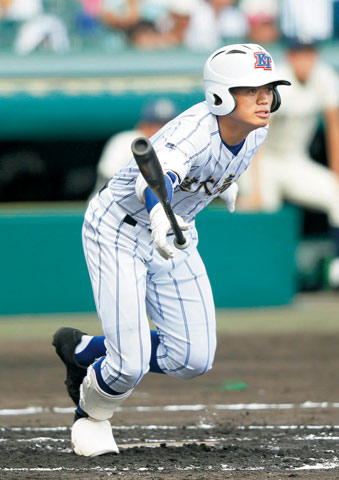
pixel 284 170
pixel 117 150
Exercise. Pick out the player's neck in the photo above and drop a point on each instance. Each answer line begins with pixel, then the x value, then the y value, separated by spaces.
pixel 233 132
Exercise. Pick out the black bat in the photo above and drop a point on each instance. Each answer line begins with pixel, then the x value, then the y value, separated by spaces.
pixel 152 172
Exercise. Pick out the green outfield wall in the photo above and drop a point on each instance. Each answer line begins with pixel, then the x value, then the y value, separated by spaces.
pixel 59 116
pixel 250 258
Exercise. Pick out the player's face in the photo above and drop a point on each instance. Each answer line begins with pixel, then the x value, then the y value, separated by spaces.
pixel 253 105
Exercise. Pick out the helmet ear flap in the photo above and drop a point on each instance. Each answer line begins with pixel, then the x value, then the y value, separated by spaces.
pixel 219 99
pixel 276 100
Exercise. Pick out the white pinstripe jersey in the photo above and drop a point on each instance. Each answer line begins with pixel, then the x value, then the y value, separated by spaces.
pixel 191 146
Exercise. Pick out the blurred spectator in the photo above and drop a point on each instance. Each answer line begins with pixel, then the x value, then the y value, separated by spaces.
pixel 263 20
pixel 137 20
pixel 91 7
pixel 195 24
pixel 121 17
pixel 88 18
pixel 120 14
pixel 20 10
pixel 168 30
pixel 283 169
pixel 308 20
pixel 211 22
pixel 35 27
pixel 117 151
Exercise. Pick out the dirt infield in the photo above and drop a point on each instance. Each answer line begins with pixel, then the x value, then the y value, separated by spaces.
pixel 269 409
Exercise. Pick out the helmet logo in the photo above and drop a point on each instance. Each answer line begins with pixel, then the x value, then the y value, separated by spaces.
pixel 263 60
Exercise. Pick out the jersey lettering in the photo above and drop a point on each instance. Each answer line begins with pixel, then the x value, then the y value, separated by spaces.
pixel 188 182
pixel 186 185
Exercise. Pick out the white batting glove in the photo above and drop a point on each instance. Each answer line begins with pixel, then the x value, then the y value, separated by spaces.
pixel 230 196
pixel 160 227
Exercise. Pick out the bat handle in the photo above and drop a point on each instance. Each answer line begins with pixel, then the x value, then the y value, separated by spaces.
pixel 180 241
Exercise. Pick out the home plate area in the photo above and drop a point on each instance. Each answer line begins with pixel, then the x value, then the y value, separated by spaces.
pixel 269 409
pixel 191 451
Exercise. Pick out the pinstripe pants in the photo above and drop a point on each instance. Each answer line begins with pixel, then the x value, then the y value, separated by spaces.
pixel 131 283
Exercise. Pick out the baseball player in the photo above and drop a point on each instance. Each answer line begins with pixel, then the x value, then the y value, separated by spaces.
pixel 134 267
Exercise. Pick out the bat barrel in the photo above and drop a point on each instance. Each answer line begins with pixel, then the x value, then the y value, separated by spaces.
pixel 149 165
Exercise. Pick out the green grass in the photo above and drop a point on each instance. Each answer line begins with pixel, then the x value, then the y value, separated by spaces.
pixel 315 313
pixel 29 327
pixel 308 313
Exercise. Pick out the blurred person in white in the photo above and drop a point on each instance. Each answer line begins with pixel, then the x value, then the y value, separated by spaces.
pixel 213 21
pixel 307 19
pixel 36 27
pixel 284 170
pixel 262 18
pixel 117 150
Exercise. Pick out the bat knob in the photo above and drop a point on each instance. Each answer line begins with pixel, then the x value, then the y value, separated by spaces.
pixel 182 246
pixel 141 146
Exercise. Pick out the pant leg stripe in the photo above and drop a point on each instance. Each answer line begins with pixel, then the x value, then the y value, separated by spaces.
pixel 185 323
pixel 206 317
pixel 139 317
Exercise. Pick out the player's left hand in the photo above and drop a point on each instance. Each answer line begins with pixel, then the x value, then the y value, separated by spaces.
pixel 230 196
pixel 160 227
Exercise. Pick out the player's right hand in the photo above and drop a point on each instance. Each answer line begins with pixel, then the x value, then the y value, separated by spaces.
pixel 160 227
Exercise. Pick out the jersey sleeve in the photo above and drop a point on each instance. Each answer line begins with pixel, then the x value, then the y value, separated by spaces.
pixel 170 161
pixel 182 146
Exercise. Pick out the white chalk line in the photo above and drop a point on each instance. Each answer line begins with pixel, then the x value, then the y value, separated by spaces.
pixel 180 408
pixel 155 443
pixel 175 427
pixel 223 467
pixel 326 465
pixel 297 429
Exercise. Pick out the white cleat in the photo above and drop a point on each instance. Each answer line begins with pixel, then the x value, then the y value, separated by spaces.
pixel 91 438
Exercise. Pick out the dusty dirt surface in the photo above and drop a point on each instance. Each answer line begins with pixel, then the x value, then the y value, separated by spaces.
pixel 267 410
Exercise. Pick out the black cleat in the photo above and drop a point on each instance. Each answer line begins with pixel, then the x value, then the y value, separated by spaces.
pixel 78 415
pixel 65 340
